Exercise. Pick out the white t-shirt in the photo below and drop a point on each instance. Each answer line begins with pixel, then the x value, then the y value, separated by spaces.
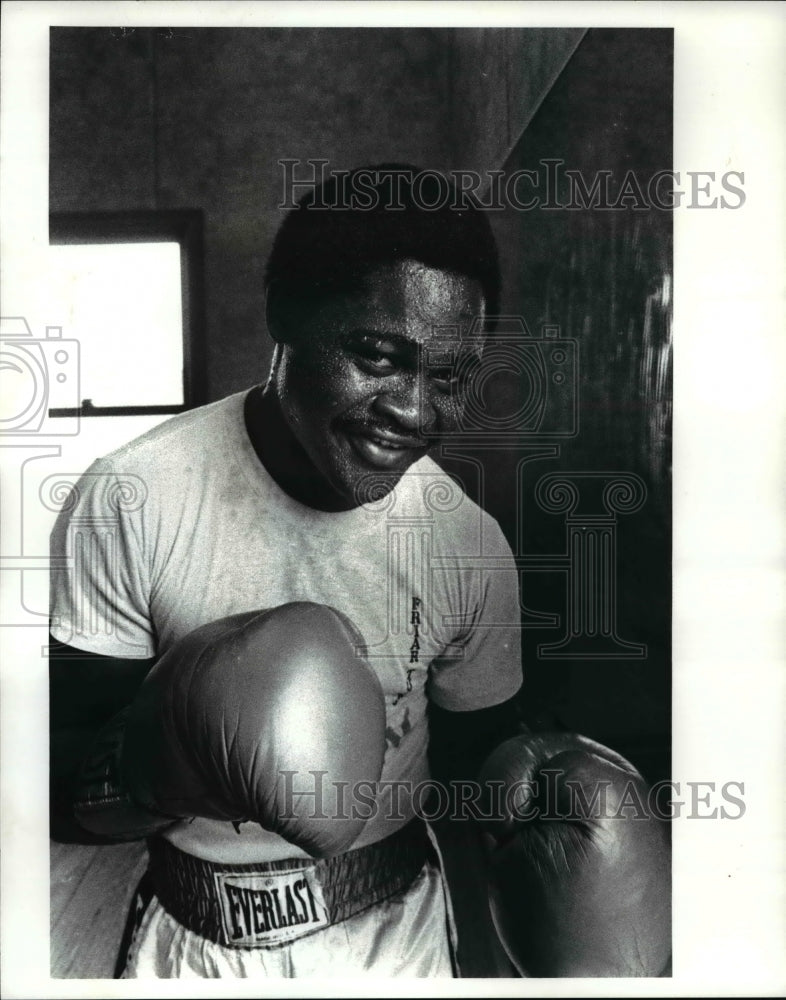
pixel 184 525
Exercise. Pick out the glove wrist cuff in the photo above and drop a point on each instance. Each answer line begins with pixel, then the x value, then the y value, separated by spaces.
pixel 102 804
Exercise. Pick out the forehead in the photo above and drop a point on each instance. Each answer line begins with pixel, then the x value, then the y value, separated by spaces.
pixel 408 300
pixel 426 293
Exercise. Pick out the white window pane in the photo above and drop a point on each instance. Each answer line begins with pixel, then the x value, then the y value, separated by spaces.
pixel 122 302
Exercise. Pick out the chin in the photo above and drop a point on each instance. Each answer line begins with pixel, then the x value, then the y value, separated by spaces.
pixel 374 485
pixel 356 483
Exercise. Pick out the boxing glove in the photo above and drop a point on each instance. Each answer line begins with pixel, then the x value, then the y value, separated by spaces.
pixel 579 867
pixel 242 713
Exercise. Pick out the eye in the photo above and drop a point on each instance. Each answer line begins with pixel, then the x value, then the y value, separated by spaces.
pixel 371 358
pixel 455 379
pixel 445 379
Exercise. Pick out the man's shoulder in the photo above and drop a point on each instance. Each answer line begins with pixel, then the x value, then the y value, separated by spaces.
pixel 184 438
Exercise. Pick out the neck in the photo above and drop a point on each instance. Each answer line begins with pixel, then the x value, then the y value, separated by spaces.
pixel 282 455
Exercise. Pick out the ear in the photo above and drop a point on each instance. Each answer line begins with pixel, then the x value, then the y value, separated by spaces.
pixel 278 312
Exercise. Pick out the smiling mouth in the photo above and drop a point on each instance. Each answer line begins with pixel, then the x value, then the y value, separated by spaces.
pixel 387 443
pixel 380 449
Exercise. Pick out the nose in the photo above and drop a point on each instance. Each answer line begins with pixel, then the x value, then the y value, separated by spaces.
pixel 406 402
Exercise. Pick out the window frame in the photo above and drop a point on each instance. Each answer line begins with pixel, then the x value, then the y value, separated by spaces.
pixel 183 226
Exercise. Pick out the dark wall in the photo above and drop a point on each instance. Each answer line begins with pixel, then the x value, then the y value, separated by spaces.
pixel 498 77
pixel 604 278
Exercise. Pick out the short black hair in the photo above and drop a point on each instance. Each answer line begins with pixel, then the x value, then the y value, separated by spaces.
pixel 360 219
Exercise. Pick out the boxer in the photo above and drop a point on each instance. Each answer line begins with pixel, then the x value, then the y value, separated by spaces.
pixel 313 491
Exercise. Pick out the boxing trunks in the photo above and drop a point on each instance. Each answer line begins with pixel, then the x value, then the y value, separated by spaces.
pixel 381 909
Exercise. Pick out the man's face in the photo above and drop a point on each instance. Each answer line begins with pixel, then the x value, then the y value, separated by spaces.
pixel 360 384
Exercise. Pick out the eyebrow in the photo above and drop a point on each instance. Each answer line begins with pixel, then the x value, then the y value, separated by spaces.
pixel 396 339
pixel 401 342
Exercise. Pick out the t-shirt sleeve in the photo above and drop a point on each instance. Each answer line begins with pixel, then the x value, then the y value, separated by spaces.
pixel 99 582
pixel 482 667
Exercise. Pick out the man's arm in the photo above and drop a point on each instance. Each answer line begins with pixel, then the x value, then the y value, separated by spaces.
pixel 85 691
pixel 459 742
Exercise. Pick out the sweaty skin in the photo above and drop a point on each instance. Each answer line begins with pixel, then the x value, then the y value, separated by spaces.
pixel 350 396
pixel 360 384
